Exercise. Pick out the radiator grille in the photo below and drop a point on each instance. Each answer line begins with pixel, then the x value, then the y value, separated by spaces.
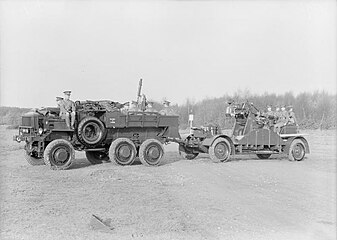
pixel 27 121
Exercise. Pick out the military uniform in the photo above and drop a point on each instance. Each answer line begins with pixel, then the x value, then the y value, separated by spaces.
pixel 150 108
pixel 67 110
pixel 282 120
pixel 167 110
pixel 292 118
pixel 133 107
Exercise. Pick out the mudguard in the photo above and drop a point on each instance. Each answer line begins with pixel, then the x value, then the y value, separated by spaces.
pixel 290 140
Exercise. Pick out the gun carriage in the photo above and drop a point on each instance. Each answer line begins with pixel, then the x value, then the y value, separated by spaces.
pixel 252 133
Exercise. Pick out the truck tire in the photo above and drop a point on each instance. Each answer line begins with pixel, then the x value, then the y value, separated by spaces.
pixel 59 154
pixel 32 160
pixel 91 131
pixel 263 155
pixel 220 150
pixel 151 152
pixel 96 157
pixel 296 150
pixel 122 151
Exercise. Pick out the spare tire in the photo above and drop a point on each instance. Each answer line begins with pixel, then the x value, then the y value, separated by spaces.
pixel 91 131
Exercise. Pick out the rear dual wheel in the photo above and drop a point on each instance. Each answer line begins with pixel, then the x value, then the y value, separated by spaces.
pixel 122 151
pixel 151 152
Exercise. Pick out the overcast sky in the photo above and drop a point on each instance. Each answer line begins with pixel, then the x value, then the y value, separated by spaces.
pixel 181 49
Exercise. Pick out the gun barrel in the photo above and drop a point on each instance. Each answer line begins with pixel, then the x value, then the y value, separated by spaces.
pixel 139 90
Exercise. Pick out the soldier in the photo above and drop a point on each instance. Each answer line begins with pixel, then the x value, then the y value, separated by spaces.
pixel 230 110
pixel 270 114
pixel 292 118
pixel 150 108
pixel 277 113
pixel 282 120
pixel 133 107
pixel 58 101
pixel 125 107
pixel 167 110
pixel 67 110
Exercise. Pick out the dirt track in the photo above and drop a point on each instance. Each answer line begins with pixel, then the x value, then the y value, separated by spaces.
pixel 246 198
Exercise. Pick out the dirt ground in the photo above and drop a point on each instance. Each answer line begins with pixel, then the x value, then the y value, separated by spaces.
pixel 246 198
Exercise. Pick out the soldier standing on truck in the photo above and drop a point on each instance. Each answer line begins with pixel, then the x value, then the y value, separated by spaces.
pixel 167 110
pixel 149 107
pixel 282 120
pixel 67 110
pixel 58 101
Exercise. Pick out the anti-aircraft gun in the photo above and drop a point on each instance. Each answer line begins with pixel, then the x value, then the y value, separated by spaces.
pixel 251 134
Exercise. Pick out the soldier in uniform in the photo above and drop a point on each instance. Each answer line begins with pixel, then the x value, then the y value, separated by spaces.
pixel 166 110
pixel 67 110
pixel 291 114
pixel 58 101
pixel 133 107
pixel 230 110
pixel 282 120
pixel 125 107
pixel 149 107
pixel 270 114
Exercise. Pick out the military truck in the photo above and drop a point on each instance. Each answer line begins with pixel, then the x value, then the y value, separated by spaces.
pixel 102 130
pixel 252 133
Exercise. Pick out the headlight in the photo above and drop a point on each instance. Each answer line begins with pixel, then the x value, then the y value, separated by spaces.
pixel 40 131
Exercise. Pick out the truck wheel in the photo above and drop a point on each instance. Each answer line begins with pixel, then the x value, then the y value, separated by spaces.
pixel 296 150
pixel 123 151
pixel 263 155
pixel 32 159
pixel 220 150
pixel 91 131
pixel 151 152
pixel 59 154
pixel 96 157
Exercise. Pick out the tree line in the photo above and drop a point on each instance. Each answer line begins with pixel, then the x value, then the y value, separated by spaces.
pixel 313 110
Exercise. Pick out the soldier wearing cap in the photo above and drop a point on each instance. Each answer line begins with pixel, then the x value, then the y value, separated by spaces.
pixel 282 120
pixel 67 110
pixel 167 110
pixel 58 101
pixel 230 110
pixel 270 114
pixel 149 107
pixel 291 114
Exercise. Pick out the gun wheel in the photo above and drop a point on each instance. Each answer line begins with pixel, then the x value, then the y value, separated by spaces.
pixel 296 150
pixel 151 152
pixel 123 151
pixel 220 150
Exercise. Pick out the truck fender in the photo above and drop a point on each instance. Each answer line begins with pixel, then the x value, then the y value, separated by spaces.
pixel 290 140
pixel 209 141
